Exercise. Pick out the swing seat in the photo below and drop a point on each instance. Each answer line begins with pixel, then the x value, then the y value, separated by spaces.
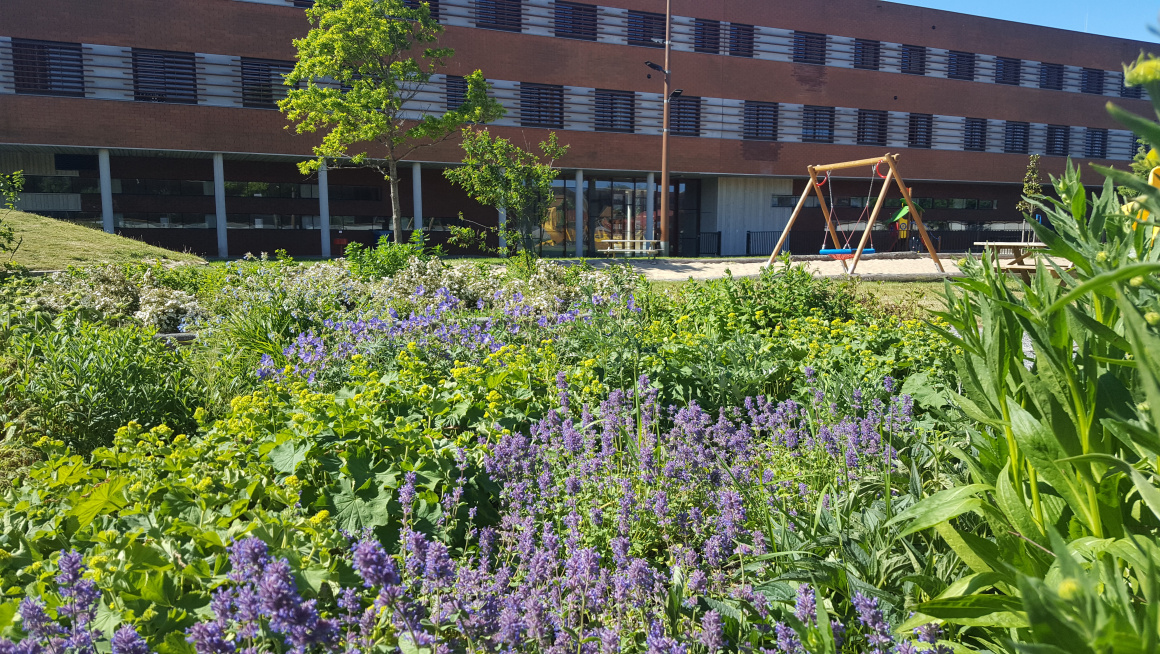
pixel 842 254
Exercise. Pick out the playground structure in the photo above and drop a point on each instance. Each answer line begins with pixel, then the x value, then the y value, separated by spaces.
pixel 842 251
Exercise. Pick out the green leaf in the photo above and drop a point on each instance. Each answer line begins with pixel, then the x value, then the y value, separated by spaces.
pixel 977 611
pixel 286 456
pixel 1148 491
pixel 1100 281
pixel 940 507
pixel 7 613
pixel 354 510
pixel 104 498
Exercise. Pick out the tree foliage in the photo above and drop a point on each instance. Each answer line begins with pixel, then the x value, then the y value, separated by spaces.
pixel 10 187
pixel 358 77
pixel 1032 185
pixel 499 173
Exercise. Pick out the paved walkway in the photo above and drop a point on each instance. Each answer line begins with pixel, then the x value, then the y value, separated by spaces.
pixel 877 269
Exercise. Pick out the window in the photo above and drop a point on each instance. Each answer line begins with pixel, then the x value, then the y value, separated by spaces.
pixel 1092 81
pixel 740 40
pixel 818 124
pixel 809 48
pixel 615 111
pixel 867 54
pixel 685 116
pixel 262 82
pixel 920 131
pixel 1095 143
pixel 304 4
pixel 914 60
pixel 542 105
pixel 1058 140
pixel 414 4
pixel 456 92
pixel 499 15
pixel 647 29
pixel 1015 137
pixel 1051 76
pixel 760 121
pixel 975 135
pixel 575 21
pixel 707 36
pixel 48 68
pixel 961 65
pixel 1133 92
pixel 163 76
pixel 1008 71
pixel 871 127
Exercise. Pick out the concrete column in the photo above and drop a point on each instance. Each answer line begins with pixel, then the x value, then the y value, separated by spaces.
pixel 651 206
pixel 502 226
pixel 219 200
pixel 106 190
pixel 580 209
pixel 324 211
pixel 417 192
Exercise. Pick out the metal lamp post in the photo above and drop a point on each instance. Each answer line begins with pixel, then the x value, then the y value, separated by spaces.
pixel 663 223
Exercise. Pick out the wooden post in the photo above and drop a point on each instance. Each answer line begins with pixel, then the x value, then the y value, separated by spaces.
pixel 826 210
pixel 890 160
pixel 873 217
pixel 785 232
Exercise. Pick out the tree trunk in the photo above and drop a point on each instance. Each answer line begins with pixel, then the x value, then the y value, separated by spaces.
pixel 396 209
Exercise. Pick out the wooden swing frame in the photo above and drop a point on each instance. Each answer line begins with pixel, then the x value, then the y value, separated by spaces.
pixel 891 160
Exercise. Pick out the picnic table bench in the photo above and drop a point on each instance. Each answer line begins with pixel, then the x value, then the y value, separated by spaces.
pixel 631 246
pixel 1019 250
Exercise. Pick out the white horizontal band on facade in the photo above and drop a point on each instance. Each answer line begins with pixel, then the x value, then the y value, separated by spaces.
pixel 538 17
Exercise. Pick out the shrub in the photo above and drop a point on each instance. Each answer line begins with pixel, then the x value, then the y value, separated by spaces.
pixel 387 258
pixel 78 382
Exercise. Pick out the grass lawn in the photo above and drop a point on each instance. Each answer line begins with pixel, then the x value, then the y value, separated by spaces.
pixel 51 244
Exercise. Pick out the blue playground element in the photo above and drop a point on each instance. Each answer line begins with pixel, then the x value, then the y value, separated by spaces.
pixel 846 251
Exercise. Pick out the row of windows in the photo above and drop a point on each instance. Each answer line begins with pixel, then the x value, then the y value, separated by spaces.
pixel 857 202
pixel 542 105
pixel 185 187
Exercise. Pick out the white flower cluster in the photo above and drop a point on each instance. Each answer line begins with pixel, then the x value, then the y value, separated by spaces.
pixel 166 309
pixel 110 292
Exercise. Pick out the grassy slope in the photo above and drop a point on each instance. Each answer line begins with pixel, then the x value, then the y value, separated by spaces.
pixel 51 244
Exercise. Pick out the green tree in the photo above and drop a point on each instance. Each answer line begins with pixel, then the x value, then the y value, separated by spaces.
pixel 499 173
pixel 1032 186
pixel 359 74
pixel 10 187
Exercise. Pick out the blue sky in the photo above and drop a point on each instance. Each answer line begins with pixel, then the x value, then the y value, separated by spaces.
pixel 1127 19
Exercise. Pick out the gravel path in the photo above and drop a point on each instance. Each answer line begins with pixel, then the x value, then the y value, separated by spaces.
pixel 908 269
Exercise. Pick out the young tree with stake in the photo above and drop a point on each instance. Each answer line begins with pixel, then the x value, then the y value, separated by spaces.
pixel 359 73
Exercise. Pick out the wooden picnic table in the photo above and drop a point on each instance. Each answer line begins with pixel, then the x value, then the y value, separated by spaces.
pixel 627 246
pixel 1019 250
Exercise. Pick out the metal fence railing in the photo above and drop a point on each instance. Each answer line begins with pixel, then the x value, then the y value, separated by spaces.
pixel 762 243
pixel 710 244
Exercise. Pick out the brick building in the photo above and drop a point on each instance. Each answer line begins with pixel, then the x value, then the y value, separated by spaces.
pixel 157 119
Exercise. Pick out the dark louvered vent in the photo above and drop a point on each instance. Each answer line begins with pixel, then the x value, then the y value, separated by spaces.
pixel 575 21
pixel 1051 76
pixel 303 4
pixel 867 54
pixel 504 15
pixel 707 36
pixel 914 60
pixel 1092 81
pixel 48 68
pixel 1095 143
pixel 809 48
pixel 818 124
pixel 685 116
pixel 164 76
pixel 1008 71
pixel 975 135
pixel 1015 137
pixel 961 65
pixel 456 92
pixel 1058 140
pixel 262 82
pixel 760 121
pixel 871 127
pixel 542 105
pixel 433 4
pixel 615 111
pixel 646 29
pixel 1132 92
pixel 920 131
pixel 740 40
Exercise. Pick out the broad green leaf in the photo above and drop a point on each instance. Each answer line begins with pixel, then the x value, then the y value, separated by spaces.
pixel 104 498
pixel 940 507
pixel 978 611
pixel 355 510
pixel 286 456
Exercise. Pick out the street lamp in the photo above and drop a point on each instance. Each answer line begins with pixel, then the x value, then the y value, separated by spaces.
pixel 663 236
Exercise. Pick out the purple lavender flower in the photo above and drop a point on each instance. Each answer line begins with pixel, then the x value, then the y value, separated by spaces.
pixel 127 641
pixel 373 565
pixel 806 608
pixel 877 630
pixel 712 634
